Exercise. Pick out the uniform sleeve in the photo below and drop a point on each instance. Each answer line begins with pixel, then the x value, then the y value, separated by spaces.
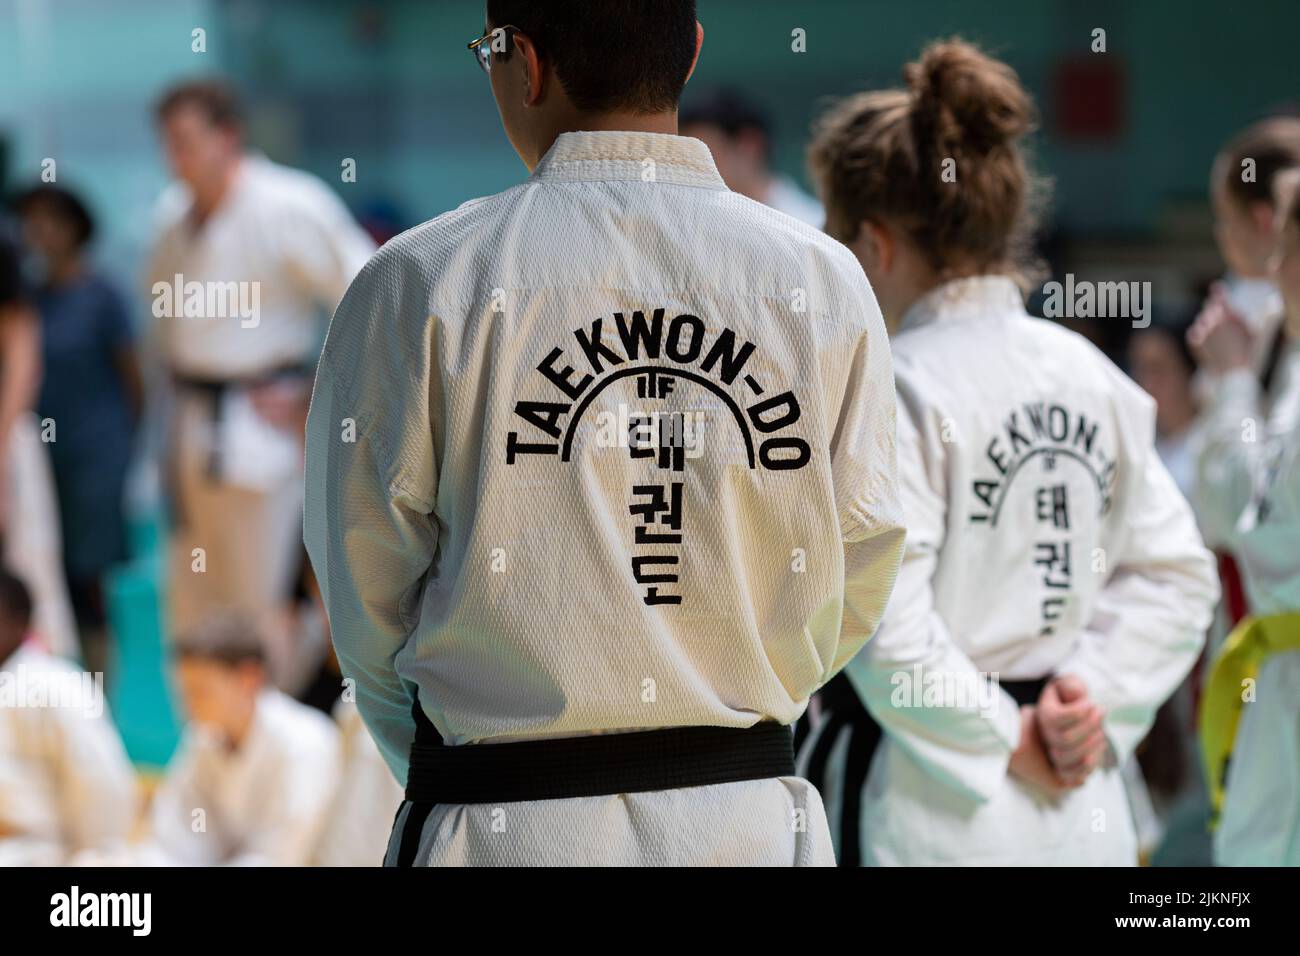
pixel 371 477
pixel 1150 618
pixel 864 469
pixel 965 747
pixel 177 837
pixel 291 819
pixel 324 247
pixel 97 784
pixel 1227 462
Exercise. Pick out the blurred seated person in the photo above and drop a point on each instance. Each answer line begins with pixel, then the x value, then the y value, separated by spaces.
pixel 67 790
pixel 256 771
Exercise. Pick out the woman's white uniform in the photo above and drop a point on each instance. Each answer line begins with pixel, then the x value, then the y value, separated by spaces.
pixel 1260 820
pixel 1044 536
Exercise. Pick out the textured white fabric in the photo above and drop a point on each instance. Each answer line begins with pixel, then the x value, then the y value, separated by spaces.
pixel 1260 822
pixel 1018 439
pixel 461 552
pixel 66 786
pixel 262 804
pixel 278 227
pixel 786 196
pixel 33 545
pixel 751 823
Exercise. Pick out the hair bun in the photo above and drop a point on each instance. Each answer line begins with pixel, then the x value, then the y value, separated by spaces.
pixel 966 99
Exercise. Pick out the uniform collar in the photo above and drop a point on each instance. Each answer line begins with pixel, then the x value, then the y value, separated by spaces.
pixel 594 156
pixel 965 298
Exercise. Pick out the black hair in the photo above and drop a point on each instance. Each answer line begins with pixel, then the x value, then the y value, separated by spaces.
pixel 65 204
pixel 227 637
pixel 728 109
pixel 214 96
pixel 632 55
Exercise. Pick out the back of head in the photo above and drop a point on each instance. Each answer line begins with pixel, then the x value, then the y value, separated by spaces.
pixel 613 56
pixel 60 203
pixel 1249 163
pixel 727 109
pixel 230 638
pixel 940 159
pixel 214 97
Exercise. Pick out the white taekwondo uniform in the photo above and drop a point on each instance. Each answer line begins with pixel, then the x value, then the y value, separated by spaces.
pixel 1242 413
pixel 290 247
pixel 486 534
pixel 67 789
pixel 1260 821
pixel 263 803
pixel 33 544
pixel 1044 537
pixel 368 796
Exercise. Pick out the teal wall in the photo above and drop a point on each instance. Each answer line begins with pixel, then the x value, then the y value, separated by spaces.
pixel 391 85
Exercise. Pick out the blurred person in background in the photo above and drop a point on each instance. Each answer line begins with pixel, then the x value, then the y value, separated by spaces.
pixel 267 252
pixel 1171 820
pixel 67 790
pixel 1162 364
pixel 91 394
pixel 739 136
pixel 1023 453
pixel 1250 713
pixel 29 518
pixel 256 772
pixel 1249 360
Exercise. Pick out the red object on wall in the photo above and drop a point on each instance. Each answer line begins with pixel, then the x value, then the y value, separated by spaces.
pixel 1089 95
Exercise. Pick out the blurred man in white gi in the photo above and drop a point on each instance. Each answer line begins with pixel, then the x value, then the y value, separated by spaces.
pixel 601 479
pixel 256 771
pixel 249 258
pixel 67 791
pixel 1251 708
pixel 1046 543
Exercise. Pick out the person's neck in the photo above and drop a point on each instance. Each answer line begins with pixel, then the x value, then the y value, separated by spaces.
pixel 1176 420
pixel 622 122
pixel 211 195
pixel 238 729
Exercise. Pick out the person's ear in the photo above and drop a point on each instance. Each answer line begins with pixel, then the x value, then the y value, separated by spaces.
pixel 699 44
pixel 530 60
pixel 880 240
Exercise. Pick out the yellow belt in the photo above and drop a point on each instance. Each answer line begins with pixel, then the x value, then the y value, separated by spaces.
pixel 1238 660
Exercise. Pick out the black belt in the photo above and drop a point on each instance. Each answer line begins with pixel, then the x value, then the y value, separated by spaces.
pixel 215 389
pixel 842 708
pixel 591 766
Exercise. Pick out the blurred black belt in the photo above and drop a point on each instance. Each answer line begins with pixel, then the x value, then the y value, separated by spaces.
pixel 841 709
pixel 214 389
